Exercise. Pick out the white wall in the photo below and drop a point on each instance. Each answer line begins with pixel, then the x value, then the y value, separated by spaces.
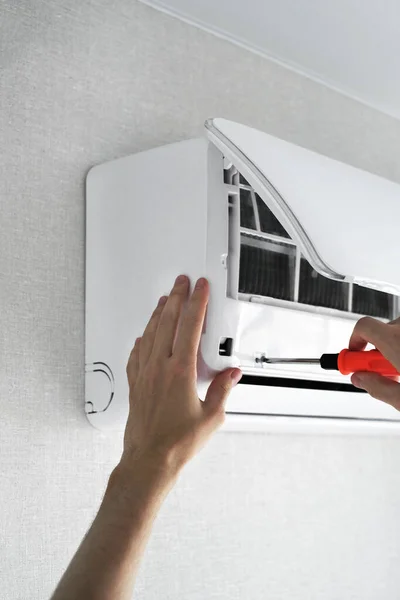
pixel 254 516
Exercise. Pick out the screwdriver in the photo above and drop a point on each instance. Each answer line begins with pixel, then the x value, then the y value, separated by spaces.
pixel 346 362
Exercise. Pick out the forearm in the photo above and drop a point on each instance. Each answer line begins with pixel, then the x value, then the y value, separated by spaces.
pixel 106 563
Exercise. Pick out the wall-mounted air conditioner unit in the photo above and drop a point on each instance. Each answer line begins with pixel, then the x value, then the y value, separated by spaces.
pixel 296 247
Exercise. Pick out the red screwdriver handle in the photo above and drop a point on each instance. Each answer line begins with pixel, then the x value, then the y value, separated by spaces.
pixel 370 360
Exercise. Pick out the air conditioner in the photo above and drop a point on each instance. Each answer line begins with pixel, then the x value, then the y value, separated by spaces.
pixel 296 247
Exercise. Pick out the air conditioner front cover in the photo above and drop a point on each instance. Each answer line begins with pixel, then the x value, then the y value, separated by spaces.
pixel 345 219
pixel 166 211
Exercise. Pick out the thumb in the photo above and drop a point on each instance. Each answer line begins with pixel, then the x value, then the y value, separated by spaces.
pixel 379 387
pixel 220 387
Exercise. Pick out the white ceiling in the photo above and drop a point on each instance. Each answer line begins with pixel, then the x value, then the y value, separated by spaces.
pixel 352 45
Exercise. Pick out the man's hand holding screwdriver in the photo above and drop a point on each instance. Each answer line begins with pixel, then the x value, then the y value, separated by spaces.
pixel 386 338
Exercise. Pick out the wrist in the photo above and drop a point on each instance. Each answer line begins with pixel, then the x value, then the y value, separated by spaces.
pixel 143 472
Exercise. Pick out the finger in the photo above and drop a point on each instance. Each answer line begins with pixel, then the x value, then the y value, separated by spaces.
pixel 367 330
pixel 379 387
pixel 132 368
pixel 383 336
pixel 168 323
pixel 188 338
pixel 147 341
pixel 133 362
pixel 219 390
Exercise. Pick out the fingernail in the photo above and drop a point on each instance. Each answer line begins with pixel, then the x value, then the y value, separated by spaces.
pixel 356 380
pixel 181 279
pixel 200 283
pixel 137 341
pixel 236 376
pixel 162 300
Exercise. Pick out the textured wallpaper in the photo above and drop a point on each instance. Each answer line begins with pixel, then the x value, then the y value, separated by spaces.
pixel 297 518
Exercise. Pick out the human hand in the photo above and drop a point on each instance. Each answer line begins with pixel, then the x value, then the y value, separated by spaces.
pixel 386 338
pixel 167 422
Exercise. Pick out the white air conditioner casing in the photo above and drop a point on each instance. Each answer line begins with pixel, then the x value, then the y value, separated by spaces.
pixel 155 214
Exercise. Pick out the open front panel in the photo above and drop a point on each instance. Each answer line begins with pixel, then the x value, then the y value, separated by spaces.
pixel 345 219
